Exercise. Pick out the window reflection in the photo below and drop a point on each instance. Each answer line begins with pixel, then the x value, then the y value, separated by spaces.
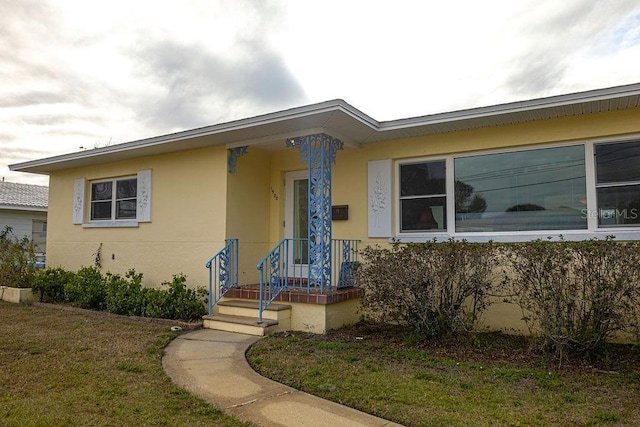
pixel 618 183
pixel 542 189
pixel 110 204
pixel 422 196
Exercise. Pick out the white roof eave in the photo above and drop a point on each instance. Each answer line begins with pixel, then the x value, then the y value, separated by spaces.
pixel 341 120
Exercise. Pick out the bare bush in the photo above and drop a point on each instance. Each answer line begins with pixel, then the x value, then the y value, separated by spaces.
pixel 435 288
pixel 576 294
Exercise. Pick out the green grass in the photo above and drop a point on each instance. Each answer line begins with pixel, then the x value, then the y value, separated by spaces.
pixel 71 368
pixel 487 379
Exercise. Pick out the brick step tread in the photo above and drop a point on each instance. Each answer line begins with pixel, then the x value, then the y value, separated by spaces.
pixel 241 320
pixel 253 305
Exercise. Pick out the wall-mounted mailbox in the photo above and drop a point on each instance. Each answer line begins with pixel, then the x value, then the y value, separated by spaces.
pixel 339 212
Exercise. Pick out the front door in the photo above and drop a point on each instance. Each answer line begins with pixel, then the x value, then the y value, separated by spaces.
pixel 296 222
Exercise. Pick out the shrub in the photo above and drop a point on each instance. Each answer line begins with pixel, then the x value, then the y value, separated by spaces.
pixel 434 288
pixel 50 283
pixel 17 260
pixel 87 289
pixel 156 303
pixel 184 303
pixel 176 301
pixel 124 294
pixel 576 294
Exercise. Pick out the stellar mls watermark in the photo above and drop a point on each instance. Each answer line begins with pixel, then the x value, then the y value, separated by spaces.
pixel 612 214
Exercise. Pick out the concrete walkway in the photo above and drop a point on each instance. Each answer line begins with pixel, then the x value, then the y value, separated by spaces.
pixel 212 365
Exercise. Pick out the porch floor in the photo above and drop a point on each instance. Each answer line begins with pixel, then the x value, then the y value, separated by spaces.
pixel 300 295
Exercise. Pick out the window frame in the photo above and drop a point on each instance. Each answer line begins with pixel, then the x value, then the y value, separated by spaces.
pixel 114 200
pixel 614 184
pixel 593 230
pixel 424 196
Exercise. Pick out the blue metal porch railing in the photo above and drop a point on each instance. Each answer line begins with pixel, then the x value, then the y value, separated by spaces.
pixel 223 272
pixel 282 269
pixel 344 257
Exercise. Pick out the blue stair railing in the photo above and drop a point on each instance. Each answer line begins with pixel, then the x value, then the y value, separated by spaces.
pixel 275 274
pixel 283 269
pixel 344 263
pixel 223 272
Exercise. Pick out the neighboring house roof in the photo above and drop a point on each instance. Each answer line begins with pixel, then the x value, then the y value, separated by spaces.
pixel 23 196
pixel 353 127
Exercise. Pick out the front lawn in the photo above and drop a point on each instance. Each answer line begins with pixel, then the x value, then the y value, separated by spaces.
pixel 71 368
pixel 484 379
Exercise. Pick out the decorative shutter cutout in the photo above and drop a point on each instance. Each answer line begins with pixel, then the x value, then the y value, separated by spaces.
pixel 78 201
pixel 379 196
pixel 143 211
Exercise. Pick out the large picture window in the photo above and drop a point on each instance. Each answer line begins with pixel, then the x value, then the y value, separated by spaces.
pixel 618 184
pixel 541 189
pixel 114 199
pixel 423 196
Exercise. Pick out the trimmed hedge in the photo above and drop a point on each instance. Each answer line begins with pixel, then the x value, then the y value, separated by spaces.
pixel 89 288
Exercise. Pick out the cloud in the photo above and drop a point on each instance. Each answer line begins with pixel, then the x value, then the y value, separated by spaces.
pixel 78 73
pixel 553 40
pixel 196 86
pixel 216 75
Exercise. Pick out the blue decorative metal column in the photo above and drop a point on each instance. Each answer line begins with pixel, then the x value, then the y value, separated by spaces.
pixel 319 151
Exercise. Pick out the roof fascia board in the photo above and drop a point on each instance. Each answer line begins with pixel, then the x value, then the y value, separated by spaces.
pixel 515 107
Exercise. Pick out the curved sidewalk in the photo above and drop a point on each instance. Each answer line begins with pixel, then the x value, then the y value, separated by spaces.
pixel 212 365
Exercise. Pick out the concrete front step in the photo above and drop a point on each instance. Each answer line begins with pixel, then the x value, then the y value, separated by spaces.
pixel 240 324
pixel 249 308
pixel 241 316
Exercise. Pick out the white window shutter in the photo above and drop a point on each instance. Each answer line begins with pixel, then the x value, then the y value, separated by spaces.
pixel 78 201
pixel 379 193
pixel 143 211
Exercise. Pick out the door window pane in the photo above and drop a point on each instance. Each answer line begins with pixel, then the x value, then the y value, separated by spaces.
pixel 301 221
pixel 542 189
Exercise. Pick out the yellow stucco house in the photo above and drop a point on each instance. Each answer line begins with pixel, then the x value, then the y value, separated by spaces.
pixel 303 189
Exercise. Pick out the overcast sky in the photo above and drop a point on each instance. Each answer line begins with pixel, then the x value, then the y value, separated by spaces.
pixel 91 73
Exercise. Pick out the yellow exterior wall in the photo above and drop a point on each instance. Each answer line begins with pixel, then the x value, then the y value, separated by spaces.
pixel 350 170
pixel 196 204
pixel 283 161
pixel 349 175
pixel 188 218
pixel 248 211
pixel 320 318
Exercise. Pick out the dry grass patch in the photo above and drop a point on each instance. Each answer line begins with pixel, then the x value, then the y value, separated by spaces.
pixel 71 368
